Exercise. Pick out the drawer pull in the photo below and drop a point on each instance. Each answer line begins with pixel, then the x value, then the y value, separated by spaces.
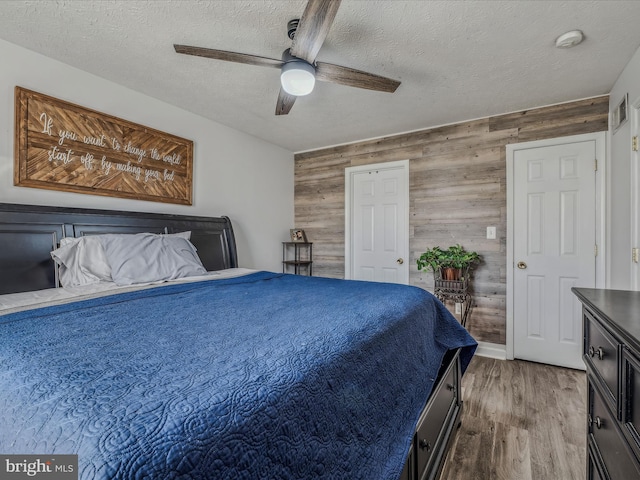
pixel 424 444
pixel 593 352
pixel 598 423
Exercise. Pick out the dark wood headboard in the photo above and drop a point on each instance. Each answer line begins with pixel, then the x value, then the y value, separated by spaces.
pixel 28 233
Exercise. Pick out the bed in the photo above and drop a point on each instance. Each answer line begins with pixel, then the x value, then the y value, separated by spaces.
pixel 230 373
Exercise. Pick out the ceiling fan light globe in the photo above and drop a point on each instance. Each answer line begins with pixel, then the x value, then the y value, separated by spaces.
pixel 298 78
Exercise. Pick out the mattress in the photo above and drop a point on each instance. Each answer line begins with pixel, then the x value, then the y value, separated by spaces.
pixel 14 302
pixel 262 375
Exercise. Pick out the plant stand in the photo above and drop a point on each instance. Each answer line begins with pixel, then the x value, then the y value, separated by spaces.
pixel 456 291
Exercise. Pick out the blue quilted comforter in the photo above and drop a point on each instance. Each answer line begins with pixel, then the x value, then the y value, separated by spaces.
pixel 266 376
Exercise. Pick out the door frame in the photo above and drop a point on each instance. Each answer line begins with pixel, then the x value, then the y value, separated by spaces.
pixel 349 173
pixel 635 193
pixel 600 141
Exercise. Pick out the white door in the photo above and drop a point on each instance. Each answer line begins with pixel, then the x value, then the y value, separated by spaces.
pixel 377 222
pixel 554 224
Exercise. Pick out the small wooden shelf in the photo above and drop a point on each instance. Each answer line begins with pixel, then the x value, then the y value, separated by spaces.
pixel 297 258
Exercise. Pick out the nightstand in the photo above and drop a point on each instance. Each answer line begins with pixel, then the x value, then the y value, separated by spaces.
pixel 297 256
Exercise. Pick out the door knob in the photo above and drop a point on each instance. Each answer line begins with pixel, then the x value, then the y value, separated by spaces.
pixel 400 261
pixel 522 265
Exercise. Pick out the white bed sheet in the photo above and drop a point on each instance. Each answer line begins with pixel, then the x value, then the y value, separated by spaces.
pixel 15 302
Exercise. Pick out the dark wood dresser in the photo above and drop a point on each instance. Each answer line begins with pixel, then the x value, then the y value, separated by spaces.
pixel 611 352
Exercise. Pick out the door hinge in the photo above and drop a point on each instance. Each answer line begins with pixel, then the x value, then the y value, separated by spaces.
pixel 634 143
pixel 595 250
pixel 595 166
pixel 634 255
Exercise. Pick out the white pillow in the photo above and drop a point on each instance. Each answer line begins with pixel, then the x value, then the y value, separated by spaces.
pixel 82 261
pixel 146 257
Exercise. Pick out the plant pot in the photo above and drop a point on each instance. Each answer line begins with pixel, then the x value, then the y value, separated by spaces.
pixel 451 274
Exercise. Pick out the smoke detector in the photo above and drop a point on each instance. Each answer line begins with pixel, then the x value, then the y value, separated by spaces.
pixel 569 39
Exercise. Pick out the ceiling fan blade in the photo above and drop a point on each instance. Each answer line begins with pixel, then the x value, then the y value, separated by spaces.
pixel 285 102
pixel 313 28
pixel 327 72
pixel 229 56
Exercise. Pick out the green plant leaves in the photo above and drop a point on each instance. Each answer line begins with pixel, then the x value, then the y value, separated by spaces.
pixel 455 256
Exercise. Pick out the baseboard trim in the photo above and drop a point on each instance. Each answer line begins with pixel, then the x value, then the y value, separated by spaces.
pixel 492 350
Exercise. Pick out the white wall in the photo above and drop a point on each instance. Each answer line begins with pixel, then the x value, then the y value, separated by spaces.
pixel 622 183
pixel 235 174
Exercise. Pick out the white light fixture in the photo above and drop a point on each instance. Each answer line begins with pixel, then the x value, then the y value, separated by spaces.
pixel 298 78
pixel 569 39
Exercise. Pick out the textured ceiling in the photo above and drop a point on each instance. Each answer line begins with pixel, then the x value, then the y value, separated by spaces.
pixel 457 60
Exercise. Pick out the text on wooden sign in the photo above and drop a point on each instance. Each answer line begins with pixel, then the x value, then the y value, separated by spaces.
pixel 62 146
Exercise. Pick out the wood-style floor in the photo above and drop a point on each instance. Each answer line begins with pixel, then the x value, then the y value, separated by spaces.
pixel 521 421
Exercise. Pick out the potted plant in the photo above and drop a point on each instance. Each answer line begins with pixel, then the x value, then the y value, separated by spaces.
pixel 449 263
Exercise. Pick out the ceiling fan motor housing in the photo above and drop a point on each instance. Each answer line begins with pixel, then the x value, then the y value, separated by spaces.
pixel 297 77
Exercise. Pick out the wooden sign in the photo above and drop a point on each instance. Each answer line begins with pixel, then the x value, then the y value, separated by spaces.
pixel 62 146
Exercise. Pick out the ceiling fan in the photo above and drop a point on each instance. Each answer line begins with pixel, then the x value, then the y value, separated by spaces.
pixel 298 67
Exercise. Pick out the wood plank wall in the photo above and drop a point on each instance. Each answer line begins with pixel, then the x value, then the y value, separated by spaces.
pixel 457 189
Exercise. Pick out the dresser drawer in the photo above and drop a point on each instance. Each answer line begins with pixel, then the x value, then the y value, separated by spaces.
pixel 442 404
pixel 608 443
pixel 594 464
pixel 601 354
pixel 631 398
